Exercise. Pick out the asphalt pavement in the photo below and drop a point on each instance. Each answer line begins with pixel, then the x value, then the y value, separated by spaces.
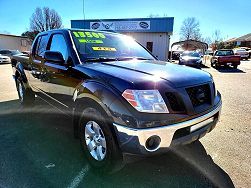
pixel 38 149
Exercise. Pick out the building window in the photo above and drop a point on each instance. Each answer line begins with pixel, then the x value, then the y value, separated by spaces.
pixel 149 46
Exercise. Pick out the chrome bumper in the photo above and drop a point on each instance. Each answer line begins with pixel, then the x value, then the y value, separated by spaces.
pixel 133 140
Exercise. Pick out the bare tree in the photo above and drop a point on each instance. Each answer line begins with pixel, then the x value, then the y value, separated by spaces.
pixel 190 29
pixel 217 42
pixel 30 34
pixel 207 40
pixel 216 36
pixel 44 19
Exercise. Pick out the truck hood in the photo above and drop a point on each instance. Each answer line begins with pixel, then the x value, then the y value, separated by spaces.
pixel 136 71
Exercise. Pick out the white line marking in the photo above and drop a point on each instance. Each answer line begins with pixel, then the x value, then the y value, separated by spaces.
pixel 76 181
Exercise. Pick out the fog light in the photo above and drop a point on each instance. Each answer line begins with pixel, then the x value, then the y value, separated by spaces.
pixel 152 143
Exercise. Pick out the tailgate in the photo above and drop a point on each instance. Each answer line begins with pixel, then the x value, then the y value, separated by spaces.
pixel 228 59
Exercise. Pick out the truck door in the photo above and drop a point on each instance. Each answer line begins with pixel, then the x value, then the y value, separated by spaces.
pixel 36 76
pixel 61 79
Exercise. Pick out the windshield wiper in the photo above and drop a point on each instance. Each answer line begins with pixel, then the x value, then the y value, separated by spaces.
pixel 100 59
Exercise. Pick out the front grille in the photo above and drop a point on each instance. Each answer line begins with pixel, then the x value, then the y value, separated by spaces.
pixel 175 104
pixel 199 94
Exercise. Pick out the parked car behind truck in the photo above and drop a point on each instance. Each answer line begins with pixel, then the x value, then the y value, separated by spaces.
pixel 242 53
pixel 225 57
pixel 191 58
pixel 121 98
pixel 4 59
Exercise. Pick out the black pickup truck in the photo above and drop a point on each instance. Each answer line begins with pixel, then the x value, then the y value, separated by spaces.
pixel 121 98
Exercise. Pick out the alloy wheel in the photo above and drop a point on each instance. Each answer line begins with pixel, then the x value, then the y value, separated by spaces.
pixel 21 91
pixel 95 140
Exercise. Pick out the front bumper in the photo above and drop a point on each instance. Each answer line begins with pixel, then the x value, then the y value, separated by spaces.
pixel 244 55
pixel 191 63
pixel 136 141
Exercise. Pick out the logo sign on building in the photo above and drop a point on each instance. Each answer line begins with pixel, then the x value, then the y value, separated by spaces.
pixel 121 25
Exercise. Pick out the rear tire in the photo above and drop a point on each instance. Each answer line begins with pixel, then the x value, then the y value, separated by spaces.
pixel 217 66
pixel 235 66
pixel 98 142
pixel 212 64
pixel 26 96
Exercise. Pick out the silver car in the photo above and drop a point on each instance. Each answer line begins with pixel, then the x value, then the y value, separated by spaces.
pixel 4 59
pixel 241 52
pixel 190 58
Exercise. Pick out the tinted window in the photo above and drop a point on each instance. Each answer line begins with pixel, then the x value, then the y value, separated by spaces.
pixel 224 52
pixel 191 54
pixel 4 52
pixel 41 46
pixel 58 44
pixel 15 52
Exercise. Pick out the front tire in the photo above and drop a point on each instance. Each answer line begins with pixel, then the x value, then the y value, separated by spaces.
pixel 26 96
pixel 98 142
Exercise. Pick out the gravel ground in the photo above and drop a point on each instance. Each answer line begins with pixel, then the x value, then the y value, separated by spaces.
pixel 38 150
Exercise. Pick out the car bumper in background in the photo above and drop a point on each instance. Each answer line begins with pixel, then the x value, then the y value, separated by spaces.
pixel 190 63
pixel 156 140
pixel 4 60
pixel 244 55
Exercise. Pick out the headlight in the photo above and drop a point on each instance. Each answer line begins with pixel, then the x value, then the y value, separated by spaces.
pixel 146 100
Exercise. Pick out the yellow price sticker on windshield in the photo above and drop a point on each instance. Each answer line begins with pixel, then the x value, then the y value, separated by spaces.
pixel 90 41
pixel 81 34
pixel 104 49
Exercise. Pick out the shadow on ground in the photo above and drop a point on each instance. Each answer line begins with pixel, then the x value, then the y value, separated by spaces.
pixel 205 66
pixel 38 150
pixel 229 70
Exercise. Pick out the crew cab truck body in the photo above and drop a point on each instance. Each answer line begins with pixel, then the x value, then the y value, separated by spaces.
pixel 121 98
pixel 225 57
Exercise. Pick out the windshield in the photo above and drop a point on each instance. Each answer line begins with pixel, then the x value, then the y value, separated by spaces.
pixel 191 54
pixel 241 50
pixel 15 52
pixel 224 53
pixel 100 45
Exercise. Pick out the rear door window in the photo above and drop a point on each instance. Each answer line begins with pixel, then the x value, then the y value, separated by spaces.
pixel 41 46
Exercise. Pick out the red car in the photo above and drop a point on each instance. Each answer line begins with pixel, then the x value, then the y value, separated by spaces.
pixel 225 57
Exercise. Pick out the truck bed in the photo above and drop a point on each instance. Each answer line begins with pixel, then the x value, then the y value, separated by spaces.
pixel 228 59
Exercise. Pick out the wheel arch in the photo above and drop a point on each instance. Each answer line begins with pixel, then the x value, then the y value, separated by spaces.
pixel 20 73
pixel 94 94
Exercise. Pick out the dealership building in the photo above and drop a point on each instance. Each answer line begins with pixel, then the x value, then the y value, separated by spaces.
pixel 14 42
pixel 152 33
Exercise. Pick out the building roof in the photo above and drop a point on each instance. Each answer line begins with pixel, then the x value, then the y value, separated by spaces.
pixel 9 35
pixel 191 44
pixel 164 24
pixel 231 40
pixel 246 37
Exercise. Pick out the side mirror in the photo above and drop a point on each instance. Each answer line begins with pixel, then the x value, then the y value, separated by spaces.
pixel 55 57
